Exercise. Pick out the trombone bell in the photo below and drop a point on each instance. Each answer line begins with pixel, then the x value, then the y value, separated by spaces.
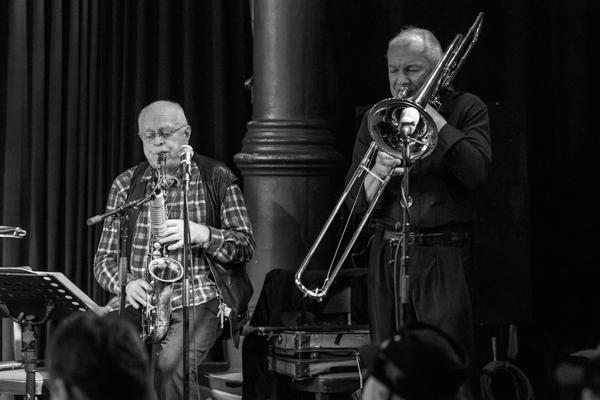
pixel 385 123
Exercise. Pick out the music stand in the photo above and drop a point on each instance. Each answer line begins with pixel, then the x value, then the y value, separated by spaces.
pixel 31 298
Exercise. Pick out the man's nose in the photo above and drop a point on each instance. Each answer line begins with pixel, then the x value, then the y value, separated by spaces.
pixel 402 79
pixel 160 141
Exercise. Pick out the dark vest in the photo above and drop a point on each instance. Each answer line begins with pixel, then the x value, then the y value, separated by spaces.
pixel 231 279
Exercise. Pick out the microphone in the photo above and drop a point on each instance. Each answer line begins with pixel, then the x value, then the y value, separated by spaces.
pixel 408 120
pixel 158 215
pixel 185 155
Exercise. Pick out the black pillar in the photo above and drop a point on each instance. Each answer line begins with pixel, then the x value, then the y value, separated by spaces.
pixel 288 158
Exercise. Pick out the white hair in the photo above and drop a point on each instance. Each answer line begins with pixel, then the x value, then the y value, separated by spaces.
pixel 433 49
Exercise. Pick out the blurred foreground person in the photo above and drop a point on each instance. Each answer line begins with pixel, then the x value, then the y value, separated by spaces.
pixel 419 363
pixel 96 358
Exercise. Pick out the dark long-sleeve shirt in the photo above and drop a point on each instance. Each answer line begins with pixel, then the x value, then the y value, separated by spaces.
pixel 441 185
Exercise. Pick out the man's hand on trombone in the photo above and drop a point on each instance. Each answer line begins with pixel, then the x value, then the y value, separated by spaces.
pixel 384 163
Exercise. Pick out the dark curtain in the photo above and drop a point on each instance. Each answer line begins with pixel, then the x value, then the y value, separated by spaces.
pixel 73 77
pixel 564 145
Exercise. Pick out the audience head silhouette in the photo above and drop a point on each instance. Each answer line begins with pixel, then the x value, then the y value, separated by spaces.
pixel 420 362
pixel 93 357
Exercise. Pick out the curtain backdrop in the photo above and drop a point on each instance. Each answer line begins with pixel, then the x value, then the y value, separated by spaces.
pixel 74 75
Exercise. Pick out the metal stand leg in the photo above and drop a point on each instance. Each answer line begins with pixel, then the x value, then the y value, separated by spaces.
pixel 30 337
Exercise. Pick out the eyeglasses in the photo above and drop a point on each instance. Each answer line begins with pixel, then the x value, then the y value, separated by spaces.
pixel 166 134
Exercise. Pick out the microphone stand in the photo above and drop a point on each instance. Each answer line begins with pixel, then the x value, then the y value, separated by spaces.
pixel 406 202
pixel 186 273
pixel 122 262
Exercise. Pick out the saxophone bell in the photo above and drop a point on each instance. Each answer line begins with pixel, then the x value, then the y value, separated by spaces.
pixel 156 316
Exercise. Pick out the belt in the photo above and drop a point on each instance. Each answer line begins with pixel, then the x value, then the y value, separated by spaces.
pixel 457 238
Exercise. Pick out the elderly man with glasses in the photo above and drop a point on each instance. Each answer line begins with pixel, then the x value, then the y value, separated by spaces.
pixel 220 239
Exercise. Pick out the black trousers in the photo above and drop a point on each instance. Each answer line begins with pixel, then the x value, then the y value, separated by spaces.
pixel 439 288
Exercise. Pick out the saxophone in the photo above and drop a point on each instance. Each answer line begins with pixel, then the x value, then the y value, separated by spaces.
pixel 161 272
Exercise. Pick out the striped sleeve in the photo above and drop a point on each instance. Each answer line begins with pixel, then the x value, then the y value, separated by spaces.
pixel 105 261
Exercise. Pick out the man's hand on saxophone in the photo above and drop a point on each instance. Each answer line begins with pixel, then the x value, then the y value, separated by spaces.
pixel 137 291
pixel 199 234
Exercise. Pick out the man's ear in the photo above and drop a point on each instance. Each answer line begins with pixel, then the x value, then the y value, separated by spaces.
pixel 188 131
pixel 58 390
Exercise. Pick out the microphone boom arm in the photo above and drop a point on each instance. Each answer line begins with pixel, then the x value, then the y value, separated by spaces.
pixel 130 204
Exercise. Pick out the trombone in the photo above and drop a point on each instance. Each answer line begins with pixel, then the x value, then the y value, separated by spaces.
pixel 387 127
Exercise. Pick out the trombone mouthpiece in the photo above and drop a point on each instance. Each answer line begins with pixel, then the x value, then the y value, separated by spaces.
pixel 402 92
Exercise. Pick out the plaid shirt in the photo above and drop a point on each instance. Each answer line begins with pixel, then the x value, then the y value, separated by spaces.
pixel 233 243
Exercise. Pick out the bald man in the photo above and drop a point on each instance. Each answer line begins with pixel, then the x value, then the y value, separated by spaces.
pixel 220 234
pixel 442 186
